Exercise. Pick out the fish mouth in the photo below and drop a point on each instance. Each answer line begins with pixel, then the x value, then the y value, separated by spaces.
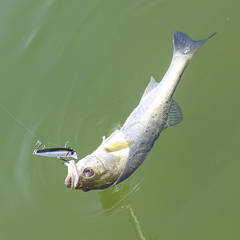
pixel 69 182
pixel 72 177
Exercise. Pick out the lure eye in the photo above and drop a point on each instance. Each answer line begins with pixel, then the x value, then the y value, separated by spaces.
pixel 88 172
pixel 72 153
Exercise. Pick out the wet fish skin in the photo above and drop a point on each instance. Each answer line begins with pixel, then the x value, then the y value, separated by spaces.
pixel 125 149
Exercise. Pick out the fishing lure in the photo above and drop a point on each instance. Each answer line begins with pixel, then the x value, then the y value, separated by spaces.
pixel 55 152
pixel 51 152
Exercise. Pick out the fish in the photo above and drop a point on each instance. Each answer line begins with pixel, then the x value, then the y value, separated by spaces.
pixel 55 152
pixel 119 155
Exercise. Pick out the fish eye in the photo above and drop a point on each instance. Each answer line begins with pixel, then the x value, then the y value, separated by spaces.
pixel 88 172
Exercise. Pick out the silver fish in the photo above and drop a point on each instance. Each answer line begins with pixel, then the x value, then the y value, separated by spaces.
pixel 125 149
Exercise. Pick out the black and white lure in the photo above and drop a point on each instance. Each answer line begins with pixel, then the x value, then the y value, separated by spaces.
pixel 50 152
pixel 55 152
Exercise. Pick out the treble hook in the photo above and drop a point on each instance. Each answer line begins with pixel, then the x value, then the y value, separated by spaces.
pixel 60 158
pixel 40 143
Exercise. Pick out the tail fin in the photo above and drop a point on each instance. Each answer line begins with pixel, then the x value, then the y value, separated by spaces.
pixel 184 45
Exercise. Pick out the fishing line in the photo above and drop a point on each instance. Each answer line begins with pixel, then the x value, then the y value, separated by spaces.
pixel 29 129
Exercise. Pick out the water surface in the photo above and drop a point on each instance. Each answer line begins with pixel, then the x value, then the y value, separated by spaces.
pixel 73 71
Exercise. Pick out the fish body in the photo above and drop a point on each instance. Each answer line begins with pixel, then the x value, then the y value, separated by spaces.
pixel 56 152
pixel 125 149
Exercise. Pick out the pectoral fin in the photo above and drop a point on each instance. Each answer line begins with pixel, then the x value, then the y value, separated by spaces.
pixel 116 146
pixel 174 116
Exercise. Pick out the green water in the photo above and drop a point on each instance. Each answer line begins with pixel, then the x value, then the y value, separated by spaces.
pixel 74 70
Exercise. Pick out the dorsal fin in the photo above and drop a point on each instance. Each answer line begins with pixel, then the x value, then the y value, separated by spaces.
pixel 152 84
pixel 175 115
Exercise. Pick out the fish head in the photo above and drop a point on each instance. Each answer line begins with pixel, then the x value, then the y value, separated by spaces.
pixel 92 172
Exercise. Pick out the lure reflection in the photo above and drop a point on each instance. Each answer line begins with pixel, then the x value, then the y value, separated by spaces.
pixel 55 152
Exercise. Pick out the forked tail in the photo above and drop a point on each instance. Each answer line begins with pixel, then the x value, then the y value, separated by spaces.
pixel 184 45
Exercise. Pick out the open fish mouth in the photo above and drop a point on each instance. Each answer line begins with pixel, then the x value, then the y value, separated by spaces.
pixel 72 177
